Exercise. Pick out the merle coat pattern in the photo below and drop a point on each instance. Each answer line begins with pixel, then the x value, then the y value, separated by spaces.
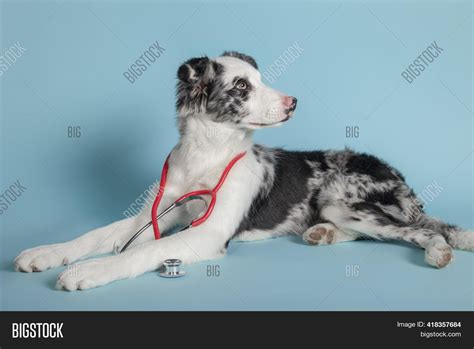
pixel 323 196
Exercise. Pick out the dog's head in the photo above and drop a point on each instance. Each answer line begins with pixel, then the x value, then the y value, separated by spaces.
pixel 229 89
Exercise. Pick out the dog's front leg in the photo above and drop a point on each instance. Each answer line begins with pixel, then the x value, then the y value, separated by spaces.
pixel 204 242
pixel 192 245
pixel 98 241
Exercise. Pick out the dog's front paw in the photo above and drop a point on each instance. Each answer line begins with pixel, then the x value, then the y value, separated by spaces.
pixel 44 257
pixel 86 275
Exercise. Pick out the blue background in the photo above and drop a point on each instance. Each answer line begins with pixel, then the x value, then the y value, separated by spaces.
pixel 347 75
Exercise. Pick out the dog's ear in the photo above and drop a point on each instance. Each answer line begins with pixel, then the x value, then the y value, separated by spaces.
pixel 193 70
pixel 195 81
pixel 241 56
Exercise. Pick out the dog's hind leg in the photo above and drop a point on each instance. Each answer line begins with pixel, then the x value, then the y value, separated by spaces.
pixel 327 234
pixel 370 220
pixel 457 237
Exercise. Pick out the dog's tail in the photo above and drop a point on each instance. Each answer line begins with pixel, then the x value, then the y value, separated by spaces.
pixel 455 236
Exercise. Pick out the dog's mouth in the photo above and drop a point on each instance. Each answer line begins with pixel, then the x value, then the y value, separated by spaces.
pixel 289 114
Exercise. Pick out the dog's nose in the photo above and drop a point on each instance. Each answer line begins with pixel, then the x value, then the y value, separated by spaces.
pixel 289 102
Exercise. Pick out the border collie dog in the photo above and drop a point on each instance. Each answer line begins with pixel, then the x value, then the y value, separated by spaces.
pixel 325 197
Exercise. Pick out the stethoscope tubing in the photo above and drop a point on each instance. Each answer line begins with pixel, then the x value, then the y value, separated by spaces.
pixel 181 201
pixel 197 194
pixel 145 227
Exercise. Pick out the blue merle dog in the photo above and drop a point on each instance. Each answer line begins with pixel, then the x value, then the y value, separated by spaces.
pixel 325 197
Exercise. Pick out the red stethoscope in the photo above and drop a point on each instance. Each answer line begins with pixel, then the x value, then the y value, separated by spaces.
pixel 193 195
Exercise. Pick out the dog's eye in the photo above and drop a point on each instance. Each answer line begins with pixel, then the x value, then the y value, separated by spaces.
pixel 241 85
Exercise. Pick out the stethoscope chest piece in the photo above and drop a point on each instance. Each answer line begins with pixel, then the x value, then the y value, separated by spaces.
pixel 171 269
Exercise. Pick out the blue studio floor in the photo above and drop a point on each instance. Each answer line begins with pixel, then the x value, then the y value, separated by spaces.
pixel 278 274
